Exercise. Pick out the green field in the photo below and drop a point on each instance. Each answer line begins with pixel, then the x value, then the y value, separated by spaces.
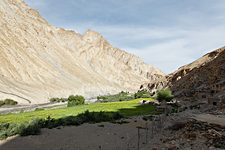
pixel 127 108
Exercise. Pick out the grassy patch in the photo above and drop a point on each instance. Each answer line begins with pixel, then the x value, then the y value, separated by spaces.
pixel 126 108
pixel 30 123
pixel 34 127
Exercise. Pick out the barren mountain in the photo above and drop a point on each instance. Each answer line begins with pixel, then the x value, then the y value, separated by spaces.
pixel 182 71
pixel 203 80
pixel 39 61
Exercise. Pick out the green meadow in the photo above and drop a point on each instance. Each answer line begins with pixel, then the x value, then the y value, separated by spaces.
pixel 126 108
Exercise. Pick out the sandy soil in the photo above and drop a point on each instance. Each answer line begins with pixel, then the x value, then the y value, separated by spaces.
pixel 105 136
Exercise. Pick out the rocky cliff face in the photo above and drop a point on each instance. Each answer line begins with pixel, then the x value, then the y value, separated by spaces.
pixel 39 61
pixel 202 80
pixel 182 71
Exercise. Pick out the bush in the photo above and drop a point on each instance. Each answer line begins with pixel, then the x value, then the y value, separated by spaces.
pixel 164 94
pixel 57 100
pixel 75 100
pixel 142 94
pixel 32 128
pixel 2 103
pixel 122 96
pixel 39 109
pixel 8 102
pixel 7 130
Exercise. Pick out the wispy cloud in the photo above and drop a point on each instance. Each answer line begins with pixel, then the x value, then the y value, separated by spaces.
pixel 167 34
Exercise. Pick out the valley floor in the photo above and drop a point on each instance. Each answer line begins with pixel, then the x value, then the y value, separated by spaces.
pixel 178 131
pixel 142 130
pixel 105 136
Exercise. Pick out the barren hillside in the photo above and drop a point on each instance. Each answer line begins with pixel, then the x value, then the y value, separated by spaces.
pixel 39 61
pixel 202 80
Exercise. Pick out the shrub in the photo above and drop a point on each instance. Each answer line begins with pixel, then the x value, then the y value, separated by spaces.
pixel 142 94
pixel 57 100
pixel 32 128
pixel 39 109
pixel 53 100
pixel 8 102
pixel 7 130
pixel 102 98
pixel 2 103
pixel 122 96
pixel 164 94
pixel 75 100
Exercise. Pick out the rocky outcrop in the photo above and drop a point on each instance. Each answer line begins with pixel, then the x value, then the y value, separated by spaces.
pixel 202 80
pixel 39 61
pixel 154 85
pixel 182 71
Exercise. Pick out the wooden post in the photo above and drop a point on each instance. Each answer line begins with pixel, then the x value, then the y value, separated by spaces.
pixel 146 132
pixel 138 138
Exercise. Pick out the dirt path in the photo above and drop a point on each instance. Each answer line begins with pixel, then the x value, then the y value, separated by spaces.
pixel 212 119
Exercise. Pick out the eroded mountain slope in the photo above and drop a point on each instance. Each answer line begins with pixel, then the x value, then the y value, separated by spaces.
pixel 39 61
pixel 204 80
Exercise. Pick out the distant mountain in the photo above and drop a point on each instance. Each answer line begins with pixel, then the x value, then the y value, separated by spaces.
pixel 39 61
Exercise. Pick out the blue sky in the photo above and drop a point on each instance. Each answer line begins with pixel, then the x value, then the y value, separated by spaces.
pixel 164 33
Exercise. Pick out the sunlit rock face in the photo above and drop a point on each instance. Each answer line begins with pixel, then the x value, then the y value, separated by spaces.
pixel 39 61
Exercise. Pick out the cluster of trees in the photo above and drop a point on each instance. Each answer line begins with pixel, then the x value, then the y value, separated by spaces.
pixel 58 100
pixel 75 100
pixel 72 100
pixel 142 94
pixel 161 95
pixel 122 96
